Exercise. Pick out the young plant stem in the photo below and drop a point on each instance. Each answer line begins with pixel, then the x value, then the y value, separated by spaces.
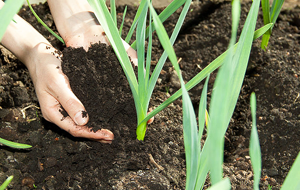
pixel 40 21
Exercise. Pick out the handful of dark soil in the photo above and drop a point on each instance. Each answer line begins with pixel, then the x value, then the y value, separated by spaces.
pixel 99 82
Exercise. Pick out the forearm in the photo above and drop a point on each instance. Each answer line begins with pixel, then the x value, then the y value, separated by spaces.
pixel 21 39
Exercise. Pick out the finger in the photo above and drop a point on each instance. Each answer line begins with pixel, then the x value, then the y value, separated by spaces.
pixel 51 110
pixel 131 53
pixel 50 79
pixel 61 90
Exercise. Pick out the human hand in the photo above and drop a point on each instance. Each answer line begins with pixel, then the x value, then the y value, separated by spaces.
pixel 51 85
pixel 54 95
pixel 79 27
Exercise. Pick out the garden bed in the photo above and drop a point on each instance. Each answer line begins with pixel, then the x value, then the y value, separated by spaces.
pixel 60 161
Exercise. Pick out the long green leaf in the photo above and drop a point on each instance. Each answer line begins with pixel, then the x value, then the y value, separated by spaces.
pixel 202 158
pixel 135 20
pixel 7 12
pixel 203 74
pixel 189 119
pixel 123 19
pixel 292 180
pixel 45 25
pixel 265 4
pixel 140 35
pixel 270 16
pixel 254 148
pixel 162 60
pixel 164 56
pixel 113 11
pixel 202 109
pixel 275 10
pixel 220 103
pixel 14 144
pixel 6 183
pixel 166 13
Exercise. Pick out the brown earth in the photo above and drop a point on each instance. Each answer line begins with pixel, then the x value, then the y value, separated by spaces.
pixel 59 161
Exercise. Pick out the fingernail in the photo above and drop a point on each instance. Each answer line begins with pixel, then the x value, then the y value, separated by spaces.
pixel 81 118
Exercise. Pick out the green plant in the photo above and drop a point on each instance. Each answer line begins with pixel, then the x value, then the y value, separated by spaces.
pixel 6 183
pixel 269 187
pixel 269 16
pixel 292 181
pixel 142 86
pixel 224 97
pixel 45 25
pixel 254 147
pixel 14 144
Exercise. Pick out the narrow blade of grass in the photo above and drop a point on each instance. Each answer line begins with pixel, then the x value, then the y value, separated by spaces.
pixel 135 20
pixel 7 12
pixel 164 56
pixel 122 23
pixel 113 11
pixel 14 144
pixel 148 60
pixel 254 148
pixel 191 139
pixel 275 10
pixel 265 4
pixel 140 36
pixel 45 25
pixel 166 13
pixel 6 183
pixel 270 16
pixel 292 180
pixel 156 72
pixel 220 103
pixel 202 109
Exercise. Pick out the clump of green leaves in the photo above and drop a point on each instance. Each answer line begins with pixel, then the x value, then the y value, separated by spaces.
pixel 142 86
pixel 233 62
pixel 269 16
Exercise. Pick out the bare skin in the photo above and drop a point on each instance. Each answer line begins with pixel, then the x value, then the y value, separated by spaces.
pixel 78 28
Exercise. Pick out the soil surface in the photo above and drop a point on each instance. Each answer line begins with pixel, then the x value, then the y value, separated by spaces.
pixel 59 161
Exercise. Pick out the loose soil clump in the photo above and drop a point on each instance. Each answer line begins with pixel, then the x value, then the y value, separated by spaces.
pixel 60 161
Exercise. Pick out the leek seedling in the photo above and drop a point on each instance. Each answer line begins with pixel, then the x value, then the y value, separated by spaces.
pixel 269 16
pixel 254 148
pixel 223 101
pixel 142 86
